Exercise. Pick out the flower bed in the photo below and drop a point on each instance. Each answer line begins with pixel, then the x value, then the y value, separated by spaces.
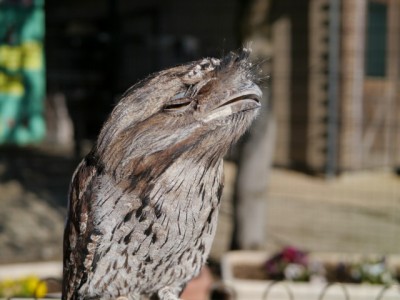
pixel 30 280
pixel 258 275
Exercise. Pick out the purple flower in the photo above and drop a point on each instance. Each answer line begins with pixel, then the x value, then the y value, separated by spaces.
pixel 277 264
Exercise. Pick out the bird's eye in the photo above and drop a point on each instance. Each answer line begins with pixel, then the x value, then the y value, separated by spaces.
pixel 178 102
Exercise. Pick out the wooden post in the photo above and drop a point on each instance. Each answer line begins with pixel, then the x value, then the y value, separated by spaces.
pixel 392 133
pixel 281 31
pixel 353 44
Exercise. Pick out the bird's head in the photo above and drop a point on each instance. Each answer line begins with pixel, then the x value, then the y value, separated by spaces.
pixel 202 106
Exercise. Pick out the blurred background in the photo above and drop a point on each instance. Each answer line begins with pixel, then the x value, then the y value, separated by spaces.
pixel 320 168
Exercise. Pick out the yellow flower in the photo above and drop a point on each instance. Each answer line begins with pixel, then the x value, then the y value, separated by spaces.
pixel 30 286
pixel 41 289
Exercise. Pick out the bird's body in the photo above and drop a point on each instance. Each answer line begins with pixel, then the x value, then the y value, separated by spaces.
pixel 144 202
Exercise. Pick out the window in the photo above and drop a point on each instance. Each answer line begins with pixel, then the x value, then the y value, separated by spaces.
pixel 376 43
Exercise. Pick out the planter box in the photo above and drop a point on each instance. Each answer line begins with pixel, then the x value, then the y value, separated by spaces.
pixel 270 290
pixel 40 269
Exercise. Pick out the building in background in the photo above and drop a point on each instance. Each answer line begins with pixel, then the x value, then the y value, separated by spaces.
pixel 335 77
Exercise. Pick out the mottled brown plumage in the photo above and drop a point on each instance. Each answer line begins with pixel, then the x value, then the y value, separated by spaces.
pixel 143 204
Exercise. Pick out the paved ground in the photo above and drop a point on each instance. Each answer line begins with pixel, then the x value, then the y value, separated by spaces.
pixel 355 213
pixel 33 200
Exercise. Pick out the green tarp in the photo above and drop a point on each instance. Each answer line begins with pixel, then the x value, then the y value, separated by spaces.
pixel 22 74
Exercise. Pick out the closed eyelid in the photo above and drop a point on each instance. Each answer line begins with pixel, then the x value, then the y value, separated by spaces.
pixel 178 102
pixel 179 96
